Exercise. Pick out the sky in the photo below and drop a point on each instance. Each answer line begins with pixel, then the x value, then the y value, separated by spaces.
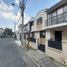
pixel 10 14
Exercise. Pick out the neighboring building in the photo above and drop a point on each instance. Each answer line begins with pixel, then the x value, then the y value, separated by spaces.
pixel 26 33
pixel 1 31
pixel 56 32
pixel 32 41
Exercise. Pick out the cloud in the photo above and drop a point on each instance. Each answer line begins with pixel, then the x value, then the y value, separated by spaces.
pixel 11 16
pixel 8 18
pixel 14 18
pixel 4 7
pixel 8 15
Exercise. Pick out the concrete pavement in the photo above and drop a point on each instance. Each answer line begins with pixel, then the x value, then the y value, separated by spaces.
pixel 11 55
pixel 42 60
pixel 38 58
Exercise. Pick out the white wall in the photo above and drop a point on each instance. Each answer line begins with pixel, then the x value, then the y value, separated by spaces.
pixel 64 44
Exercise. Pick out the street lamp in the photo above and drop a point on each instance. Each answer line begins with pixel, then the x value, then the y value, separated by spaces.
pixel 22 7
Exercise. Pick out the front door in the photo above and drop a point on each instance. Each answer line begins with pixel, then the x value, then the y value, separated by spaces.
pixel 58 40
pixel 58 35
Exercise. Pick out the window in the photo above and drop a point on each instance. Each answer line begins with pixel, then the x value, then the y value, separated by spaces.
pixel 42 34
pixel 32 35
pixel 49 22
pixel 49 19
pixel 60 18
pixel 49 16
pixel 39 20
pixel 54 18
pixel 60 15
pixel 65 9
pixel 53 14
pixel 65 17
pixel 60 11
pixel 65 14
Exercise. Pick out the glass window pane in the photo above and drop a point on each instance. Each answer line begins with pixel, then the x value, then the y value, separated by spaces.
pixel 49 16
pixel 53 14
pixel 60 11
pixel 60 18
pixel 65 9
pixel 65 17
pixel 39 20
pixel 54 20
pixel 49 22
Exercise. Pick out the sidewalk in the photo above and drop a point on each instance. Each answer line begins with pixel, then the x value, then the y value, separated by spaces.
pixel 41 60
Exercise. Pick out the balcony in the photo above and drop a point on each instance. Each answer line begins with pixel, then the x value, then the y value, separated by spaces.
pixel 55 44
pixel 62 18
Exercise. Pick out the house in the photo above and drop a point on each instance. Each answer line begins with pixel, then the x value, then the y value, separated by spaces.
pixel 32 41
pixel 26 33
pixel 37 32
pixel 56 32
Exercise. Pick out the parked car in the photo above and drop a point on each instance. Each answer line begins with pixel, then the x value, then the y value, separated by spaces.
pixel 3 36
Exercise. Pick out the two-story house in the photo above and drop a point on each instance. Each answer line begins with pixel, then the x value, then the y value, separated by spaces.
pixel 37 32
pixel 39 23
pixel 32 42
pixel 56 31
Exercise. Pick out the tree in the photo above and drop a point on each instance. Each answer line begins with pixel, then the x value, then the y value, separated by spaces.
pixel 8 31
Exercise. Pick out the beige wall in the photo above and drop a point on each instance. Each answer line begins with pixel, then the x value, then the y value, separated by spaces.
pixel 33 45
pixel 39 27
pixel 64 42
pixel 42 40
pixel 50 34
pixel 54 53
pixel 42 14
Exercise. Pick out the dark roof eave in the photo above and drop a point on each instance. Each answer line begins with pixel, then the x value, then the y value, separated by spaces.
pixel 57 6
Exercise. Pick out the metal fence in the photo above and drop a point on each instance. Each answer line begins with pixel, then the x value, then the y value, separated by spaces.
pixel 55 44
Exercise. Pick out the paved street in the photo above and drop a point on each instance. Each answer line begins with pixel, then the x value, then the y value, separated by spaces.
pixel 13 56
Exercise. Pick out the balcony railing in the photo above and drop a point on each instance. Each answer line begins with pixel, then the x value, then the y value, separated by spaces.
pixel 57 19
pixel 33 40
pixel 55 44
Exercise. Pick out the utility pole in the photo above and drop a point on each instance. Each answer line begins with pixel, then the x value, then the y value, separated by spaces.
pixel 22 7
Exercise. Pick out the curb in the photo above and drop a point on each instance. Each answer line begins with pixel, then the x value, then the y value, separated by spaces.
pixel 34 61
